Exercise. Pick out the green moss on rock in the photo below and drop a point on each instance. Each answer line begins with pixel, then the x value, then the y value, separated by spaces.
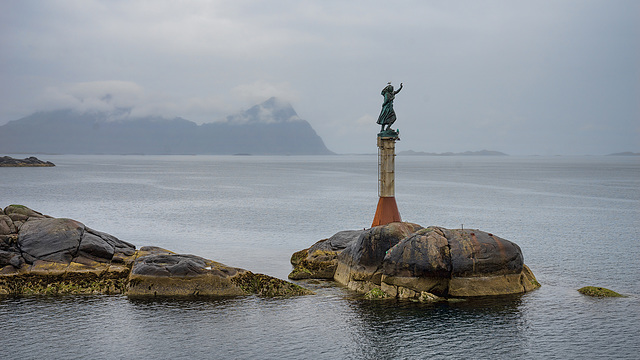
pixel 310 269
pixel 300 273
pixel 18 206
pixel 598 292
pixel 265 285
pixel 375 293
pixel 298 256
pixel 66 283
pixel 427 297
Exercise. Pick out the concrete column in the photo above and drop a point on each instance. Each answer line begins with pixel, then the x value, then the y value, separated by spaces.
pixel 386 166
pixel 387 209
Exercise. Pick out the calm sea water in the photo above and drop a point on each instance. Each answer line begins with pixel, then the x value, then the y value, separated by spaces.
pixel 577 220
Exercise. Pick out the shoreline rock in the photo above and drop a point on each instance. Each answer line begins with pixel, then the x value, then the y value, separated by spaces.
pixel 407 261
pixel 321 259
pixel 40 254
pixel 8 161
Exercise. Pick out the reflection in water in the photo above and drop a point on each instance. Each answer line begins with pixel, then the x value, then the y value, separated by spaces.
pixel 547 323
pixel 401 329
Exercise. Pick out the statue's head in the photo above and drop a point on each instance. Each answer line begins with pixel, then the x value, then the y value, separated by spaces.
pixel 388 88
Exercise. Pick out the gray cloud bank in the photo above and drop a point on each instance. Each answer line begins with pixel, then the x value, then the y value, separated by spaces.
pixel 543 77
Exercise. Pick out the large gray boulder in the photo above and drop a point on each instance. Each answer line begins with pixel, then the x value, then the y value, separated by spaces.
pixel 360 263
pixel 50 240
pixel 65 241
pixel 100 246
pixel 459 263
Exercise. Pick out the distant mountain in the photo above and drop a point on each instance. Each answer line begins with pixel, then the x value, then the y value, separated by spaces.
pixel 466 153
pixel 272 127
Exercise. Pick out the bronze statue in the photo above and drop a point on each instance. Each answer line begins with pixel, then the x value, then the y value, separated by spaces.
pixel 387 115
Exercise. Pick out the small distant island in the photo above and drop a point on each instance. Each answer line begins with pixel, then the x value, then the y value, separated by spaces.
pixel 466 153
pixel 8 161
pixel 626 153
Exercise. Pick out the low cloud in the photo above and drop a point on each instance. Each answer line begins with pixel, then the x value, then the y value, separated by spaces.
pixel 106 96
pixel 125 99
pixel 259 91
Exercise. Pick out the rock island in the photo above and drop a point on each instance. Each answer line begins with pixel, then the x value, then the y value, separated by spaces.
pixel 40 254
pixel 407 261
pixel 8 161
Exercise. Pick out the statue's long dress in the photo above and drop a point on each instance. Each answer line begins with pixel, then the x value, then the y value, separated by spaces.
pixel 387 115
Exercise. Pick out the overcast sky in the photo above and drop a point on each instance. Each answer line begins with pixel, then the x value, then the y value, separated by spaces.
pixel 522 77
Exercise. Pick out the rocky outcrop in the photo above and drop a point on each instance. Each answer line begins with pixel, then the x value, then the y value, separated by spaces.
pixel 321 259
pixel 7 161
pixel 404 260
pixel 44 255
pixel 159 272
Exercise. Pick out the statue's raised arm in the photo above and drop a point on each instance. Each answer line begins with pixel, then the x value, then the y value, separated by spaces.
pixel 387 114
pixel 397 91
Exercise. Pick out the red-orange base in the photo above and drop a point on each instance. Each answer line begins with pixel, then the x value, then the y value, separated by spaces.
pixel 386 212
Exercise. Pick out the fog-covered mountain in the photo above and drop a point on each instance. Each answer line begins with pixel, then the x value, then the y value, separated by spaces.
pixel 272 127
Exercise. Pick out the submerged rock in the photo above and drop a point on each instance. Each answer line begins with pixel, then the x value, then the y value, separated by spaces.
pixel 44 255
pixel 596 291
pixel 404 260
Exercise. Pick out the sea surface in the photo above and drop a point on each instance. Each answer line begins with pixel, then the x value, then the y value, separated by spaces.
pixel 577 220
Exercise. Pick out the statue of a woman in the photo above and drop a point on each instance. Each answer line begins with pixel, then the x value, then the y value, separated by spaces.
pixel 387 115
